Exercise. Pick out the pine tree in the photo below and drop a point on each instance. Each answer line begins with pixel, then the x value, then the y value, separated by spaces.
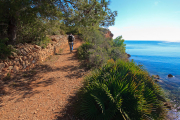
pixel 72 13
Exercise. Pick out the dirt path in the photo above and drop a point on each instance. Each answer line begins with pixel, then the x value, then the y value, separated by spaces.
pixel 43 92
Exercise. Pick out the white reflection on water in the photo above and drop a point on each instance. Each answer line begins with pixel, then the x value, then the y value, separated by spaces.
pixel 172 115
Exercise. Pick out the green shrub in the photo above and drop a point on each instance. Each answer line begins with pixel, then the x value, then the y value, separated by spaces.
pixel 43 42
pixel 4 49
pixel 98 56
pixel 98 50
pixel 120 91
pixel 93 55
pixel 83 51
pixel 115 53
pixel 62 32
pixel 30 32
pixel 37 30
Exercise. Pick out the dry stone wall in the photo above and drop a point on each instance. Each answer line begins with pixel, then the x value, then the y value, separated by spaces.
pixel 28 55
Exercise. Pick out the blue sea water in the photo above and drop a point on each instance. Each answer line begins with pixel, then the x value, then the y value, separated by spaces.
pixel 158 57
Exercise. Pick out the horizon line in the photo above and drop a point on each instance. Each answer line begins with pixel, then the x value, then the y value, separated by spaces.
pixel 155 40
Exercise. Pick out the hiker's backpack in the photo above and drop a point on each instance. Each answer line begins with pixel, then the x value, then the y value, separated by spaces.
pixel 70 38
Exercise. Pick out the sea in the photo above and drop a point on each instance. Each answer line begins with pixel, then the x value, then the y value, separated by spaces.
pixel 160 58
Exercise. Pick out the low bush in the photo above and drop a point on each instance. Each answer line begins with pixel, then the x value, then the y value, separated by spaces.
pixel 120 91
pixel 43 42
pixel 37 30
pixel 83 51
pixel 4 49
pixel 98 57
pixel 98 49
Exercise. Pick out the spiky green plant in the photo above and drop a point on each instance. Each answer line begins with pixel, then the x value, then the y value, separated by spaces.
pixel 120 91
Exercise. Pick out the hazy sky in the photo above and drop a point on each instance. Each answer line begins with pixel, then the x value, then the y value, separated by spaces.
pixel 147 19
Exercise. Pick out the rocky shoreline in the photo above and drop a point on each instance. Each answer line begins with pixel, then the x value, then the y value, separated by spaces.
pixel 172 106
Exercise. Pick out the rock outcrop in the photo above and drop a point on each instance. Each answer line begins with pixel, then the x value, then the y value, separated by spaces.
pixel 109 34
pixel 156 76
pixel 128 55
pixel 170 76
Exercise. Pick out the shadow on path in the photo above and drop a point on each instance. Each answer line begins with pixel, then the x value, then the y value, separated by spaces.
pixel 24 83
pixel 68 112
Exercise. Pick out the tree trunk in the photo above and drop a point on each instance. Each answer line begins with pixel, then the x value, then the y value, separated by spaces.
pixel 12 30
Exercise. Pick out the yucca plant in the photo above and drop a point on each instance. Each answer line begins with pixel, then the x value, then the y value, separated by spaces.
pixel 119 91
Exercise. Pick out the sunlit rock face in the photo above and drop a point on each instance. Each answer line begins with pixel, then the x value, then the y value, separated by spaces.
pixel 109 34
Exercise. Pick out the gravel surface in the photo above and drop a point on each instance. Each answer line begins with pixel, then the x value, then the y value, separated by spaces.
pixel 44 92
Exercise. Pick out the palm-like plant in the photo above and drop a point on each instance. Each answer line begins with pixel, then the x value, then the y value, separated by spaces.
pixel 119 90
pixel 98 103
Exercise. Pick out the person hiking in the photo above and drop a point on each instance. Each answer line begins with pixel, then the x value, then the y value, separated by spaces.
pixel 71 39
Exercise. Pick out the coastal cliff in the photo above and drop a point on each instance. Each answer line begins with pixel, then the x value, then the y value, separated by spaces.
pixel 109 34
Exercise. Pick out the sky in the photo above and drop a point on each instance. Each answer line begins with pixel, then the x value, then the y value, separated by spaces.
pixel 156 20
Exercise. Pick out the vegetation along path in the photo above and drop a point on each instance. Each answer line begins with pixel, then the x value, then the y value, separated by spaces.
pixel 43 93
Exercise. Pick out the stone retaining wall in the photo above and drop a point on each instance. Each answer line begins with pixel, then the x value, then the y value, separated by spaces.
pixel 28 55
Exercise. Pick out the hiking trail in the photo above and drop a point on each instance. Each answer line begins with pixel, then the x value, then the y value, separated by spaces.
pixel 43 93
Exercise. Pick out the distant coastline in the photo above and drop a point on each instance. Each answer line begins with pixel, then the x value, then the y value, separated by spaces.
pixel 175 41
